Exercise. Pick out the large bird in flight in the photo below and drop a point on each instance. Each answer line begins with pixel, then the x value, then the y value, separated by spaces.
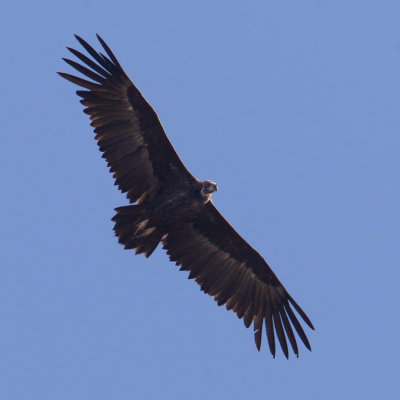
pixel 169 205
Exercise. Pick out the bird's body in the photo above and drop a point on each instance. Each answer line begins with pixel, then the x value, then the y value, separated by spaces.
pixel 143 225
pixel 169 205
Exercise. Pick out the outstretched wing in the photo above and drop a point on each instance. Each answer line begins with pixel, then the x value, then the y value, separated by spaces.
pixel 127 129
pixel 230 270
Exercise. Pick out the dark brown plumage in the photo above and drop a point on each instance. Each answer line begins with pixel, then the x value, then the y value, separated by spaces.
pixel 169 205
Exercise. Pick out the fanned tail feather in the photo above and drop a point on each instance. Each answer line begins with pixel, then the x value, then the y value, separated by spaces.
pixel 135 230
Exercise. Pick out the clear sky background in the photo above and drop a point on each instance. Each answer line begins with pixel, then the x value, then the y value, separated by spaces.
pixel 292 107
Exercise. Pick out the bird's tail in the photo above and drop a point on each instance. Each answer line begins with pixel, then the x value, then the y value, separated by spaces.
pixel 135 230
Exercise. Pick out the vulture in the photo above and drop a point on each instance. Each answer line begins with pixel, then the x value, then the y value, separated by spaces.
pixel 169 205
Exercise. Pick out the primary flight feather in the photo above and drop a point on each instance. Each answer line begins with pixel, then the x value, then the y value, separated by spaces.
pixel 171 206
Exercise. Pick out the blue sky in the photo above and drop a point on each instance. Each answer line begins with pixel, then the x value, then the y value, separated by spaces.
pixel 293 109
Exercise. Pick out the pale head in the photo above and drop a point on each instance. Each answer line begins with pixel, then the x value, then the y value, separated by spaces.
pixel 207 189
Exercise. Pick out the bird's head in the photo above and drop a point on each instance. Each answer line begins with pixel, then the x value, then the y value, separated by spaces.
pixel 207 189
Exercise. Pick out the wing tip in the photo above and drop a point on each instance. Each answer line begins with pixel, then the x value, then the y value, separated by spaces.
pixel 302 314
pixel 64 75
